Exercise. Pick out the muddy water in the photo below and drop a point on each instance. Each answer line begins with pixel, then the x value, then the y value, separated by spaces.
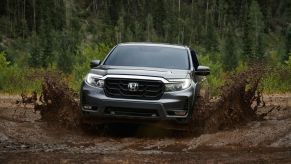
pixel 25 138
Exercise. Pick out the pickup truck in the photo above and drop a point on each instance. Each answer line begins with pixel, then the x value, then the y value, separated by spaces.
pixel 143 83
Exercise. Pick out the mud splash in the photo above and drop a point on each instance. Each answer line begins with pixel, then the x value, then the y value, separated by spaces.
pixel 58 103
pixel 237 103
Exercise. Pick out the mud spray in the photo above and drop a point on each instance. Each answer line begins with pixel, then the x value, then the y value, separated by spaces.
pixel 58 103
pixel 236 104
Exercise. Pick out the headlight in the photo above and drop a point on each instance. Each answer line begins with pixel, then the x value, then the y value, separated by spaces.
pixel 95 80
pixel 178 85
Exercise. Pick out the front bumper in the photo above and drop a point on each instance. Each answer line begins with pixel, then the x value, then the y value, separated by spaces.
pixel 172 106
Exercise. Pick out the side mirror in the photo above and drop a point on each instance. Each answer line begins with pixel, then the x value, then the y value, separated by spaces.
pixel 202 71
pixel 94 63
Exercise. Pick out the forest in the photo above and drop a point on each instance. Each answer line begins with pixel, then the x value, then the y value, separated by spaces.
pixel 65 35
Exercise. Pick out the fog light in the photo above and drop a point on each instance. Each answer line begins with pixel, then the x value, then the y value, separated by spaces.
pixel 87 107
pixel 180 113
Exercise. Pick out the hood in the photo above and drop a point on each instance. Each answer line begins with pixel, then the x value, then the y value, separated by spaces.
pixel 141 71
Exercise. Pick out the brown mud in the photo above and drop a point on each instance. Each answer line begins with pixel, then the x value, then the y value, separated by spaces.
pixel 236 104
pixel 236 127
pixel 58 103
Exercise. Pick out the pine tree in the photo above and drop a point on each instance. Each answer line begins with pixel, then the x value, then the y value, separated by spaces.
pixel 159 17
pixel 253 45
pixel 128 35
pixel 230 57
pixel 138 32
pixel 211 41
pixel 3 62
pixel 120 28
pixel 35 52
pixel 150 31
pixel 285 56
pixel 260 51
pixel 171 26
pixel 67 51
pixel 46 56
pixel 288 12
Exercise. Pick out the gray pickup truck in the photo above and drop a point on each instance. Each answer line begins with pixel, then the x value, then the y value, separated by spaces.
pixel 143 83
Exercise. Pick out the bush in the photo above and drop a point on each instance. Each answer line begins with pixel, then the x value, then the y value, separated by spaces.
pixel 14 79
pixel 82 66
pixel 215 79
pixel 3 67
pixel 278 80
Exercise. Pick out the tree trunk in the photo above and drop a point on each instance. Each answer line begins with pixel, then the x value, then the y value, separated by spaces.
pixel 24 19
pixel 34 16
pixel 206 15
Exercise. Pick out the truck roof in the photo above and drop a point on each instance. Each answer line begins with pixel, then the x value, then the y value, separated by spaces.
pixel 154 44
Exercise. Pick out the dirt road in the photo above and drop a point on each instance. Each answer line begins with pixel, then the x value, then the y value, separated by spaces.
pixel 24 138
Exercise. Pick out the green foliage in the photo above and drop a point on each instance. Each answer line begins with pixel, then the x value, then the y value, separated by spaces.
pixel 211 41
pixel 160 16
pixel 253 33
pixel 120 28
pixel 81 67
pixel 216 76
pixel 35 53
pixel 67 50
pixel 288 44
pixel 229 57
pixel 289 62
pixel 3 67
pixel 150 31
pixel 3 61
pixel 67 35
pixel 278 80
pixel 16 80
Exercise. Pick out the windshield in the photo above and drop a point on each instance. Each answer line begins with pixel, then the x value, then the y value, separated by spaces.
pixel 149 56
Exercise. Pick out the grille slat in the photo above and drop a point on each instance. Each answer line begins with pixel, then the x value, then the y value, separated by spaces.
pixel 147 89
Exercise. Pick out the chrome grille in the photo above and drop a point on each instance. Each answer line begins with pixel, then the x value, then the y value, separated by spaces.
pixel 147 89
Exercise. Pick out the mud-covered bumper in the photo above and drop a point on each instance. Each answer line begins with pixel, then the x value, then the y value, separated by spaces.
pixel 172 106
